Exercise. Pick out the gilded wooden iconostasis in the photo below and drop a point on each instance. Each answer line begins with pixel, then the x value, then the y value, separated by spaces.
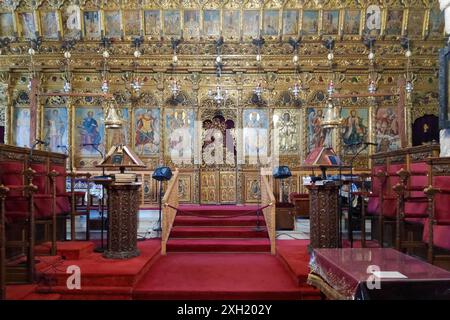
pixel 152 114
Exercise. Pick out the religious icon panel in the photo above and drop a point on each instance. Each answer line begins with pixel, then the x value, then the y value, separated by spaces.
pixel 256 133
pixel 71 18
pixel 211 22
pixel 231 23
pixel 56 129
pixel 172 22
pixel 352 21
pixel 250 23
pixel 287 126
pixel 290 22
pixel 354 129
pixel 316 135
pixel 92 25
pixel 147 137
pixel 28 25
pixel 310 23
pixel 180 135
pixel 152 21
pixel 112 24
pixel 21 125
pixel 387 133
pixel 6 25
pixel 89 131
pixel 330 22
pixel 132 22
pixel 49 25
pixel 191 24
pixel 271 22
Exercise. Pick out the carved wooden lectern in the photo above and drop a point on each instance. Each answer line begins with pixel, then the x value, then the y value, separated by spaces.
pixel 123 206
pixel 123 202
pixel 324 215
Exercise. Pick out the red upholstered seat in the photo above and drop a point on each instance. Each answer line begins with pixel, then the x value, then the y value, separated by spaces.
pixel 62 196
pixel 11 174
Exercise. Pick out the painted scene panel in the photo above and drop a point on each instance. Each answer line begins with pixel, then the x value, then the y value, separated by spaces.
pixel 330 22
pixel 310 22
pixel 352 21
pixel 6 25
pixel 256 132
pixel 147 132
pixel 387 130
pixel 290 22
pixel 152 21
pixel 437 22
pixel 71 19
pixel 56 129
pixel 211 22
pixel 415 23
pixel 92 25
pixel 132 22
pixel 89 131
pixel 394 22
pixel 112 24
pixel 21 125
pixel 28 25
pixel 316 135
pixel 231 23
pixel 172 22
pixel 271 22
pixel 191 23
pixel 287 123
pixel 180 134
pixel 49 22
pixel 250 23
pixel 354 129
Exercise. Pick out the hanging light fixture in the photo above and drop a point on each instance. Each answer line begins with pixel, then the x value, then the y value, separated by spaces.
pixel 405 43
pixel 369 42
pixel 174 88
pixel 67 85
pixel 112 119
pixel 136 83
pixel 331 118
pixel 218 95
pixel 259 42
pixel 106 43
pixel 296 89
pixel 35 43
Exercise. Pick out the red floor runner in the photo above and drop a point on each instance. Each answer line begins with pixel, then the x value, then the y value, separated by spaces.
pixel 195 276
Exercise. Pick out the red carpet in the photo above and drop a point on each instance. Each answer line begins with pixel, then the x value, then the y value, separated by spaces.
pixel 220 277
pixel 218 229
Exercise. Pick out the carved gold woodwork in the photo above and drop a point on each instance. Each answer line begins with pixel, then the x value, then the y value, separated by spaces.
pixel 195 73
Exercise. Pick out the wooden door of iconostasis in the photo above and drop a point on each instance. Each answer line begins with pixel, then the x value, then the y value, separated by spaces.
pixel 219 157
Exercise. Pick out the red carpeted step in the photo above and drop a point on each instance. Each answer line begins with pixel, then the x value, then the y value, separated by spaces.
pixel 198 221
pixel 218 232
pixel 214 210
pixel 69 250
pixel 221 276
pixel 218 245
pixel 295 257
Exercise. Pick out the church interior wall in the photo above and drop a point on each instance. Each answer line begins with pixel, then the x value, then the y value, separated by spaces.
pixel 200 23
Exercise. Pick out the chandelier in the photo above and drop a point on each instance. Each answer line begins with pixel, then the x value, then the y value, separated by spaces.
pixel 405 43
pixel 67 87
pixel 258 90
pixel 112 119
pixel 106 43
pixel 136 83
pixel 219 95
pixel 174 88
pixel 296 89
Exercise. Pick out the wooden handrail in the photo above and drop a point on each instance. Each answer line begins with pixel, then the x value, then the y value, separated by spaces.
pixel 268 201
pixel 169 210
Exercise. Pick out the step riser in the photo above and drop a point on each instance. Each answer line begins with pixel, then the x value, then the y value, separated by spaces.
pixel 219 234
pixel 215 248
pixel 217 223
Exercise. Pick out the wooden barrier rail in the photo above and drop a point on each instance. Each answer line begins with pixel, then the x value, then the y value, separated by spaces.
pixel 268 201
pixel 170 202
